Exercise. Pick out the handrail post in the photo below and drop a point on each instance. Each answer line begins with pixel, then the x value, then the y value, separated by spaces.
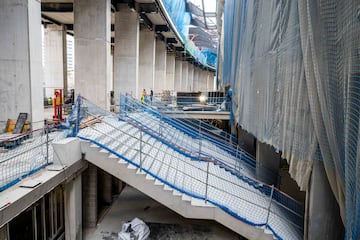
pixel 268 213
pixel 207 181
pixel 77 125
pixel 47 144
pixel 140 148
pixel 199 138
pixel 160 124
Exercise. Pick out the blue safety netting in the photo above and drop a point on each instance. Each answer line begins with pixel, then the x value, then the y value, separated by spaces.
pixel 177 11
pixel 294 70
pixel 167 146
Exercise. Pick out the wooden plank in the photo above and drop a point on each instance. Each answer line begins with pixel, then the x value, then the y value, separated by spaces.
pixel 20 122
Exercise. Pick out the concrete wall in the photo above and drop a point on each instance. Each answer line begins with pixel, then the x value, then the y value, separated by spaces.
pixel 21 86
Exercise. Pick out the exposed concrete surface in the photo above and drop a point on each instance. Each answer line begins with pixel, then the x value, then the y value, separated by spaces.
pixel 160 66
pixel 185 76
pixel 178 75
pixel 126 53
pixel 323 210
pixel 170 72
pixel 16 199
pixel 20 61
pixel 165 223
pixel 92 50
pixel 146 61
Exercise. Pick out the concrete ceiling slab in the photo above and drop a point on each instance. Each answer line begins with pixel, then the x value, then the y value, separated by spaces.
pixel 65 18
pixel 156 18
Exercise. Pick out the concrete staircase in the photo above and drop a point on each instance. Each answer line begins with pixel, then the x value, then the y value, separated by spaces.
pixel 181 203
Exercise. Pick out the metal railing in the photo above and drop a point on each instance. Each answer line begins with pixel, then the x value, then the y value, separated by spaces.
pixel 207 180
pixel 204 140
pixel 25 154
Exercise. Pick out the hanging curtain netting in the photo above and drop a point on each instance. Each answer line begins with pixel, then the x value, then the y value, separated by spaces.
pixel 294 70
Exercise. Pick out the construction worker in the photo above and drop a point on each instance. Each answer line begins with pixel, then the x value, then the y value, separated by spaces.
pixel 143 96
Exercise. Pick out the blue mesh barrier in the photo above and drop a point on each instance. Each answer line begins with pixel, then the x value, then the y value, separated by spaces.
pixel 176 9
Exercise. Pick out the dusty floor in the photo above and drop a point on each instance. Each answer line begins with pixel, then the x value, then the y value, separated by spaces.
pixel 164 224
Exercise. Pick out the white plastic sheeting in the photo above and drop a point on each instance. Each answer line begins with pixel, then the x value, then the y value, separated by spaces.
pixel 135 229
pixel 294 70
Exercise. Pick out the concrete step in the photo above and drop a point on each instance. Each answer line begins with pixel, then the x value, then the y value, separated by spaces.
pixel 149 177
pixel 200 203
pixel 185 197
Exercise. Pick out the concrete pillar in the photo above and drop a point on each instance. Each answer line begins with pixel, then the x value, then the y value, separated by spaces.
pixel 203 81
pixel 21 85
pixel 196 80
pixel 322 210
pixel 246 141
pixel 105 185
pixel 191 77
pixel 90 202
pixel 55 66
pixel 178 75
pixel 146 61
pixel 170 72
pixel 73 210
pixel 126 53
pixel 117 186
pixel 160 66
pixel 185 77
pixel 210 81
pixel 267 163
pixel 3 232
pixel 92 50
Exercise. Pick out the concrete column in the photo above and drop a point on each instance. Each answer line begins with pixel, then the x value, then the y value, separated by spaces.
pixel 191 77
pixel 55 68
pixel 185 77
pixel 126 54
pixel 160 66
pixel 202 78
pixel 73 210
pixel 21 85
pixel 3 232
pixel 178 75
pixel 267 163
pixel 170 72
pixel 146 61
pixel 324 221
pixel 105 185
pixel 196 80
pixel 246 141
pixel 117 185
pixel 90 203
pixel 92 50
pixel 210 81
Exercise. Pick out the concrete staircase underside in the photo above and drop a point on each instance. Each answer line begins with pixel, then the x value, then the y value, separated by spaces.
pixel 182 204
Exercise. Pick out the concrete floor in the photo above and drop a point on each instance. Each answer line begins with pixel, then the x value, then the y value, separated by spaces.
pixel 163 223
